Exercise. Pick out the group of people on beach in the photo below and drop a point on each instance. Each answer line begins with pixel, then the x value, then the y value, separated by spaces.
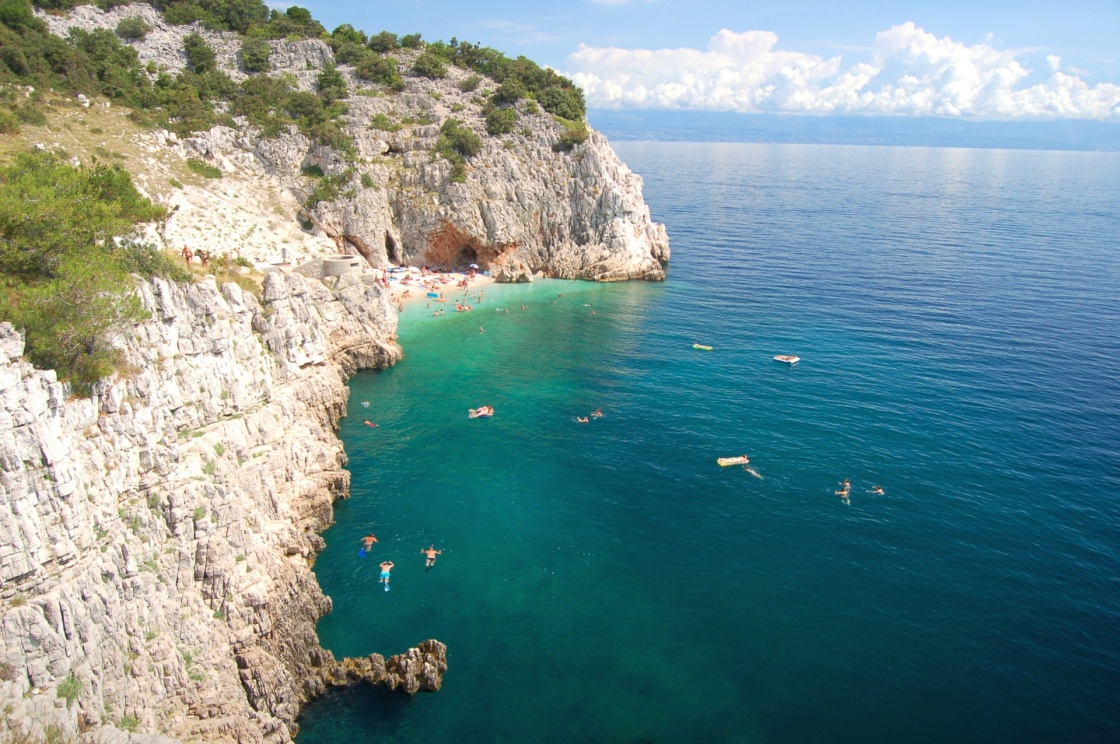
pixel 387 566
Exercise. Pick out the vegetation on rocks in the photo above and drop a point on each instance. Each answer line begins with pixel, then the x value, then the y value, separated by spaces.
pixel 63 267
pixel 51 246
pixel 456 143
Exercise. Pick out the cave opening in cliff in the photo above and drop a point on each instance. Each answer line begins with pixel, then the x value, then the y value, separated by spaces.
pixel 391 251
pixel 467 255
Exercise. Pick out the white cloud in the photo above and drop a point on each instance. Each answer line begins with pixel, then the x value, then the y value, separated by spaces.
pixel 910 72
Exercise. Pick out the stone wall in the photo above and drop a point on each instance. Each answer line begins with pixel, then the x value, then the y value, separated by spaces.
pixel 156 540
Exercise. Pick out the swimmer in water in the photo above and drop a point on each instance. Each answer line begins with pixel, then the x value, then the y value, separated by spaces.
pixel 877 490
pixel 370 424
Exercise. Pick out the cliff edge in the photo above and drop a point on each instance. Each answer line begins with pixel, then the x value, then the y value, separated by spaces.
pixel 156 540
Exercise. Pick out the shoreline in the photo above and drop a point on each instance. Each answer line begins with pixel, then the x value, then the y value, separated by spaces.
pixel 408 290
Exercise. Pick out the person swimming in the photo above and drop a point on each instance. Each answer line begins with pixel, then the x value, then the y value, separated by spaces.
pixel 582 419
pixel 386 567
pixel 597 413
pixel 877 490
pixel 370 424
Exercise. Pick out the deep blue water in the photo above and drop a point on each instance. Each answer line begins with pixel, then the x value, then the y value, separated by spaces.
pixel 957 313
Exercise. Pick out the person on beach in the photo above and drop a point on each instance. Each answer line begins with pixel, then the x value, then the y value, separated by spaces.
pixel 386 567
pixel 204 257
pixel 431 554
pixel 187 255
pixel 368 541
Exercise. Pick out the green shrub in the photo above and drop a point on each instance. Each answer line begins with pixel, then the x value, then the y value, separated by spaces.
pixel 9 124
pixel 384 42
pixel 200 55
pixel 133 28
pixel 574 133
pixel 347 34
pixel 500 120
pixel 204 169
pixel 456 143
pixel 411 41
pixel 128 722
pixel 350 53
pixel 63 277
pixel 380 70
pixel 384 123
pixel 255 55
pixel 147 260
pixel 31 116
pixel 458 138
pixel 367 181
pixel 330 85
pixel 469 83
pixel 429 66
pixel 565 102
pixel 328 188
pixel 509 93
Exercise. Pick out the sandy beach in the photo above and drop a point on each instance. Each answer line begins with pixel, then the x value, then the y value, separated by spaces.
pixel 411 290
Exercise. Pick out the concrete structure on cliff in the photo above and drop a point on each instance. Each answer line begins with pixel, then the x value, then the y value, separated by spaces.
pixel 156 540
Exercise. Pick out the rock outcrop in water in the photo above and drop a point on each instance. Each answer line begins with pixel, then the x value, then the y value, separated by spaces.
pixel 524 207
pixel 156 540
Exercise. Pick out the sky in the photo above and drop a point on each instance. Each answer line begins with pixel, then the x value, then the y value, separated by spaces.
pixel 968 59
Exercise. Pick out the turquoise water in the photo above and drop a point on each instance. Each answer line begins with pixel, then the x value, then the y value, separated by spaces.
pixel 958 317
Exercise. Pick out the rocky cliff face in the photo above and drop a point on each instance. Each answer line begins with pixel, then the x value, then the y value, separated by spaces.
pixel 156 540
pixel 525 207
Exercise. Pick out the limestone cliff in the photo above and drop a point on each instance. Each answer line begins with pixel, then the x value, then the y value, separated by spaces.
pixel 156 540
pixel 524 207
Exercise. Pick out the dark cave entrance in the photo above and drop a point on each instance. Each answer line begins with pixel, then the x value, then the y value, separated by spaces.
pixel 467 255
pixel 391 250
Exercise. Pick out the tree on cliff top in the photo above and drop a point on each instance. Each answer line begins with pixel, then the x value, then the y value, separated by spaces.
pixel 64 275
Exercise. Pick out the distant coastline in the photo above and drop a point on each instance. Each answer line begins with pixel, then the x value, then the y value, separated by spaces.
pixel 727 126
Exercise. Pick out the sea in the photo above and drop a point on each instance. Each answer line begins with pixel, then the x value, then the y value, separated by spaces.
pixel 957 317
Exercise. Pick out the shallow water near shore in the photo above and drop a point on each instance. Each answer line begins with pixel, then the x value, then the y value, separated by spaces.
pixel 956 313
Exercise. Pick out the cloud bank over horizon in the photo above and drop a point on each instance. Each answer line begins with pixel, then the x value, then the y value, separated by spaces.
pixel 910 73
